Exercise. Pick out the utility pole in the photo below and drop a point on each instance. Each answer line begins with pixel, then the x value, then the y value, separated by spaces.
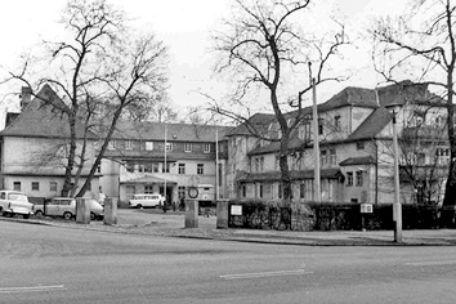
pixel 316 139
pixel 397 210
pixel 316 150
pixel 217 188
pixel 165 168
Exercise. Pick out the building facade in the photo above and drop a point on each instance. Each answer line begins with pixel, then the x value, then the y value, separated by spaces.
pixel 356 156
pixel 355 131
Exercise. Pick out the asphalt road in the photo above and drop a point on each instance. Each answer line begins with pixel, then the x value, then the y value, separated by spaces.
pixel 41 264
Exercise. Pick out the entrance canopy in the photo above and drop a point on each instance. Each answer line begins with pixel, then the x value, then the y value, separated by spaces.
pixel 149 179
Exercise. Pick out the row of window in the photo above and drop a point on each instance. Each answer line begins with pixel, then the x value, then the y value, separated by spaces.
pixel 356 177
pixel 305 190
pixel 35 186
pixel 159 168
pixel 17 186
pixel 158 146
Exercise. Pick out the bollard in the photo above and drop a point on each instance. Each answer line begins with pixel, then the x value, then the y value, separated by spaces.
pixel 222 214
pixel 82 210
pixel 110 212
pixel 191 214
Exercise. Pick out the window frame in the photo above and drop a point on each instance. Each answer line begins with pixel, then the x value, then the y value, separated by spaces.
pixel 200 169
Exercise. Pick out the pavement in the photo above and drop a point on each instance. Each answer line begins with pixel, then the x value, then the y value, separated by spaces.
pixel 156 223
pixel 43 264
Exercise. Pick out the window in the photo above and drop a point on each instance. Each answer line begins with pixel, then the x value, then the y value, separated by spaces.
pixel 53 186
pixel 302 190
pixel 35 186
pixel 277 162
pixel 337 123
pixel 359 178
pixel 130 189
pixel 147 168
pixel 188 147
pixel 320 127
pixel 443 155
pixel 308 187
pixel 261 164
pixel 244 190
pixel 155 168
pixel 279 191
pixel 260 190
pixel 349 178
pixel 17 186
pixel 169 147
pixel 354 200
pixel 324 158
pixel 166 168
pixel 181 169
pixel 200 169
pixel 148 189
pixel 181 191
pixel 2 195
pixel 99 168
pixel 128 145
pixel 149 145
pixel 360 146
pixel 207 148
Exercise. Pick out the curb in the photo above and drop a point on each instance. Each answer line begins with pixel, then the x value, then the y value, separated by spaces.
pixel 267 240
pixel 24 221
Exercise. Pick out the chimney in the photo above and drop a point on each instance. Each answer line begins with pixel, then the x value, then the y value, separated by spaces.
pixel 26 97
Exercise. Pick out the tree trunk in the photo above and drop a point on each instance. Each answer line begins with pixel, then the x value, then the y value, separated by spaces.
pixel 67 184
pixel 100 153
pixel 448 214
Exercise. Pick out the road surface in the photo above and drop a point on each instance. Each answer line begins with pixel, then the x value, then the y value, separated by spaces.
pixel 42 264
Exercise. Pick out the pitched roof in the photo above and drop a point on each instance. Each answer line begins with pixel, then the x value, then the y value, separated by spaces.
pixel 372 125
pixel 362 160
pixel 259 122
pixel 148 130
pixel 351 96
pixel 39 119
pixel 42 120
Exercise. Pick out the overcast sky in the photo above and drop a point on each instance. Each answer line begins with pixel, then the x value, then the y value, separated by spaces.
pixel 185 26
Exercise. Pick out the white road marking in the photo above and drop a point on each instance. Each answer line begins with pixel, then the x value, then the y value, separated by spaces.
pixel 31 289
pixel 432 263
pixel 253 275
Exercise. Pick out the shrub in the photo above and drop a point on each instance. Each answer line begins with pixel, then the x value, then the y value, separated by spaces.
pixel 328 216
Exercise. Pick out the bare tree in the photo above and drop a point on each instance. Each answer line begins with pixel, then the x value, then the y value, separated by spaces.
pixel 102 70
pixel 424 40
pixel 263 47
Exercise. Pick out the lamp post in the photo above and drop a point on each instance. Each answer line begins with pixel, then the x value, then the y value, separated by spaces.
pixel 397 208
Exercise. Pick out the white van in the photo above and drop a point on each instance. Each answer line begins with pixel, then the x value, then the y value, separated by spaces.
pixel 146 200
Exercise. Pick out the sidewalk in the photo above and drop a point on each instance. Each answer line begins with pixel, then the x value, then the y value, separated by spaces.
pixel 172 225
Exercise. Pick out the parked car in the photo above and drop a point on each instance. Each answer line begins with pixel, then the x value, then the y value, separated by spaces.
pixel 66 207
pixel 146 200
pixel 14 202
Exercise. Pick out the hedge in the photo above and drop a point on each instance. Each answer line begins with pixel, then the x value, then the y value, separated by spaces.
pixel 329 216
